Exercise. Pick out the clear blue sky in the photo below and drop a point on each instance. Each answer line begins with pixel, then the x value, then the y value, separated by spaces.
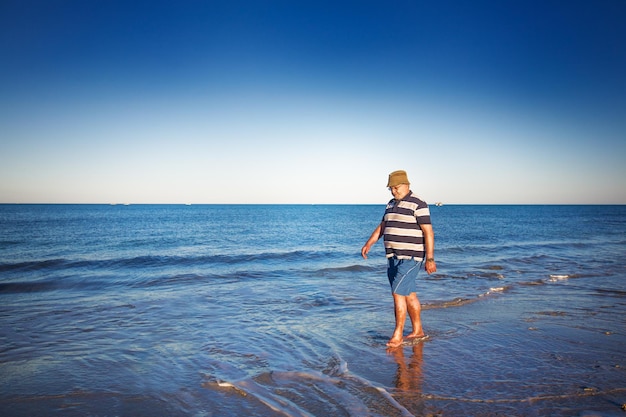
pixel 520 101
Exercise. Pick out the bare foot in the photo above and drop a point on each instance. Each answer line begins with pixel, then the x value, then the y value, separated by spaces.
pixel 394 343
pixel 415 335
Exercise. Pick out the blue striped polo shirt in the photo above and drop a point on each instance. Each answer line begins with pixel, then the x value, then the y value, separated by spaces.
pixel 403 237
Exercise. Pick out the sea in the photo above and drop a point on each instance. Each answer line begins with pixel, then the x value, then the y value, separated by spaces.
pixel 270 310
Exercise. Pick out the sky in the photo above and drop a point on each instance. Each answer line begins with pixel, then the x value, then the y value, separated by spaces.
pixel 312 102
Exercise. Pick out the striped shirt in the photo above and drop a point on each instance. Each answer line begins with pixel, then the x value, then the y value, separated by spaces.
pixel 403 237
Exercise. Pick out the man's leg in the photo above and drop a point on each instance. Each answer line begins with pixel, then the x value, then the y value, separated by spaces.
pixel 400 308
pixel 415 309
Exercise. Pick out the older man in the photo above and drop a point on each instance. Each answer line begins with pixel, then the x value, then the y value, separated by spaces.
pixel 409 243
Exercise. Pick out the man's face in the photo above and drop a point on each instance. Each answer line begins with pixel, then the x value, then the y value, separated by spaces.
pixel 399 191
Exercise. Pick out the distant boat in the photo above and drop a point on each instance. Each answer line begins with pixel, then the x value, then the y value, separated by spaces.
pixel 439 204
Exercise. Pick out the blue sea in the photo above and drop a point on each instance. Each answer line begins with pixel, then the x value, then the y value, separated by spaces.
pixel 269 310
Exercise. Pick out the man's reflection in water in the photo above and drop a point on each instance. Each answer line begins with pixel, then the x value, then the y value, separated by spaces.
pixel 409 375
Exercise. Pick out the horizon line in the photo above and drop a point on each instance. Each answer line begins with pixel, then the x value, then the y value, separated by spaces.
pixel 437 204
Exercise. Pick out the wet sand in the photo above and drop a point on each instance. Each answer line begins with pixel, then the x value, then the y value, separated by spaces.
pixel 533 354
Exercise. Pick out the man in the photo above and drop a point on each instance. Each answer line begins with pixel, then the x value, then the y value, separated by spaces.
pixel 409 243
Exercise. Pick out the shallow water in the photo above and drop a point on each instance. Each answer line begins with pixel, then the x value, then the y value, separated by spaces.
pixel 270 311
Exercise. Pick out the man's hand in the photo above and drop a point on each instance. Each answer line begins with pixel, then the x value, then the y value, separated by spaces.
pixel 365 250
pixel 376 234
pixel 430 266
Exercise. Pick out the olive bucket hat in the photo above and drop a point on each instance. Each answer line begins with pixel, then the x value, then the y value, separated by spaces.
pixel 397 178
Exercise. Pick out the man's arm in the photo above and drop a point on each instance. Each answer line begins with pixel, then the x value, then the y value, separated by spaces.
pixel 376 234
pixel 429 247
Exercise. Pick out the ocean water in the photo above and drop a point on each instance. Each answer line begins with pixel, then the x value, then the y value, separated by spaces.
pixel 269 310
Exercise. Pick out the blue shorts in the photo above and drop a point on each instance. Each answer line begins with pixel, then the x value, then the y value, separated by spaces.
pixel 402 274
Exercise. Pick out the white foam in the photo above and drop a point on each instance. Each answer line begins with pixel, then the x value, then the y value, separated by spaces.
pixel 558 277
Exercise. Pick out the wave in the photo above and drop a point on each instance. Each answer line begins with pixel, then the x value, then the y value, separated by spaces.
pixel 551 279
pixel 356 268
pixel 33 265
pixel 87 277
pixel 113 282
pixel 166 260
pixel 611 292
pixel 462 301
pixel 26 287
pixel 333 391
pixel 170 271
